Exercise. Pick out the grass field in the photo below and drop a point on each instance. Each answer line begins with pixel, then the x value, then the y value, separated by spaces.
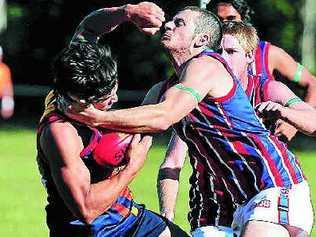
pixel 22 198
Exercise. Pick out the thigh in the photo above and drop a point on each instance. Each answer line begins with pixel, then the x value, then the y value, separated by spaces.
pixel 264 229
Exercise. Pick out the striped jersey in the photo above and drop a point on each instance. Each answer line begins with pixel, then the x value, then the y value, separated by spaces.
pixel 232 155
pixel 58 214
pixel 261 64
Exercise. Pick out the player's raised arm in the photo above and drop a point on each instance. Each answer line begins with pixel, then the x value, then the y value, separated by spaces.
pixel 281 61
pixel 147 16
pixel 169 174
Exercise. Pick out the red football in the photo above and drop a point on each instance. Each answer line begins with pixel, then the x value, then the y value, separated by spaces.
pixel 111 148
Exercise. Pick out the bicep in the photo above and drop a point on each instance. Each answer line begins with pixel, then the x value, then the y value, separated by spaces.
pixel 197 81
pixel 62 147
pixel 282 62
pixel 278 92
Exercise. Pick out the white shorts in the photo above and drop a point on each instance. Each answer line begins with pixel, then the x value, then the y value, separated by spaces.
pixel 213 231
pixel 278 205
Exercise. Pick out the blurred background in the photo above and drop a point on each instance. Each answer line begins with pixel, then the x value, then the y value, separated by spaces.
pixel 32 32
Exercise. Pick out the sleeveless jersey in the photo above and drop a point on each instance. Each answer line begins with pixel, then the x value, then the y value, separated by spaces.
pixel 58 214
pixel 261 65
pixel 232 155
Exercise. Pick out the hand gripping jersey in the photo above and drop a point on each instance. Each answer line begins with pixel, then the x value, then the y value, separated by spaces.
pixel 59 217
pixel 232 155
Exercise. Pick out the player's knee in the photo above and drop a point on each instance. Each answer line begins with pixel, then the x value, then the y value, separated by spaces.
pixel 263 229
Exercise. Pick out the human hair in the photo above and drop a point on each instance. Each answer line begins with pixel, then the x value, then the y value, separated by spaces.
pixel 241 7
pixel 207 22
pixel 246 34
pixel 87 71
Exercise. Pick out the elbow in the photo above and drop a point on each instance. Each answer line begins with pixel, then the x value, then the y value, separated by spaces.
pixel 89 214
pixel 312 132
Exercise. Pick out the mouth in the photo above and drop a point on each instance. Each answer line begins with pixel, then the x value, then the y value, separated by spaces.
pixel 165 36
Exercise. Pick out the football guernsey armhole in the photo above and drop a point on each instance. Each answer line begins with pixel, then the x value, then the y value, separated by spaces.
pixel 293 101
pixel 189 90
pixel 266 60
pixel 298 73
pixel 225 97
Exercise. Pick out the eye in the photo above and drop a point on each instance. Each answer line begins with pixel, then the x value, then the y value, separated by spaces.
pixel 231 18
pixel 179 22
pixel 230 51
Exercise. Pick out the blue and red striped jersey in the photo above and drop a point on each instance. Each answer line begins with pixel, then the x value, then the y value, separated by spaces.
pixel 232 154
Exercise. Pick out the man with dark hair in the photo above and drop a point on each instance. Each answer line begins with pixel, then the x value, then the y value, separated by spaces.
pixel 235 160
pixel 269 58
pixel 84 197
pixel 240 10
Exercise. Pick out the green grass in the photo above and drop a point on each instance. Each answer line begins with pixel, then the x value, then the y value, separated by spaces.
pixel 23 198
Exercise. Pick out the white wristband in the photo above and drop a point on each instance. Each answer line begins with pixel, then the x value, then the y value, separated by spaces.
pixel 7 103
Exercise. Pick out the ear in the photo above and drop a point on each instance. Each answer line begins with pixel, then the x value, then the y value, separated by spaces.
pixel 250 56
pixel 202 40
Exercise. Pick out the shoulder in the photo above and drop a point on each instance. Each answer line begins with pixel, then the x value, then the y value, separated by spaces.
pixel 206 65
pixel 59 134
pixel 205 62
pixel 276 51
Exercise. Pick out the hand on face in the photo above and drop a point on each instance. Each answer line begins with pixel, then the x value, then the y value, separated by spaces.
pixel 79 111
pixel 147 16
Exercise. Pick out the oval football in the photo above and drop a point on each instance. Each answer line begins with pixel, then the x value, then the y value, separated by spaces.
pixel 111 148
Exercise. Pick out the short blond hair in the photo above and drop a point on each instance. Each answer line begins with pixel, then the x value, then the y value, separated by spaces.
pixel 246 34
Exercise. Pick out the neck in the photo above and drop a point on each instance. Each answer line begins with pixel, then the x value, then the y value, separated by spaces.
pixel 243 77
pixel 180 58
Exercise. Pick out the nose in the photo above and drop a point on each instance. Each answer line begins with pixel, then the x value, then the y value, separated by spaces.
pixel 169 25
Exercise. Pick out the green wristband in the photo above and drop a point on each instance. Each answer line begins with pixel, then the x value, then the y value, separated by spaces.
pixel 190 90
pixel 293 101
pixel 298 73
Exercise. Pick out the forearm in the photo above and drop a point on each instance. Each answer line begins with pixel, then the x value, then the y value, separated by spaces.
pixel 167 194
pixel 303 120
pixel 142 119
pixel 103 194
pixel 100 22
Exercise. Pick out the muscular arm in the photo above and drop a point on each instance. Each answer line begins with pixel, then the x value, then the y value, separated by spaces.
pixel 281 61
pixel 147 16
pixel 204 75
pixel 301 115
pixel 168 177
pixel 278 92
pixel 62 145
